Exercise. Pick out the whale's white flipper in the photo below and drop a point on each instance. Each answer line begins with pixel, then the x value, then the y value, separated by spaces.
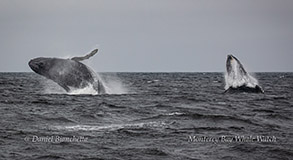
pixel 86 56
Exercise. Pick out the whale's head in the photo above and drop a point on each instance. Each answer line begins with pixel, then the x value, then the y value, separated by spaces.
pixel 230 59
pixel 233 65
pixel 237 79
pixel 41 65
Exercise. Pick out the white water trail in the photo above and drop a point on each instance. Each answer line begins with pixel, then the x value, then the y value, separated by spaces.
pixel 111 127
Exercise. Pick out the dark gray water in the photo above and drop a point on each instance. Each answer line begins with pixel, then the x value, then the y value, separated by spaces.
pixel 162 116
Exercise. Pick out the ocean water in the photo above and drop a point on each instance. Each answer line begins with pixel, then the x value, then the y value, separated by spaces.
pixel 147 116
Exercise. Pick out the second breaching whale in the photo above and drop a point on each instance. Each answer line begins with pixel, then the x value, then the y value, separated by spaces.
pixel 70 74
pixel 238 79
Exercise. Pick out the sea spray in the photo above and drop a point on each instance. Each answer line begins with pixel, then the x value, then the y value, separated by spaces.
pixel 111 82
pixel 114 84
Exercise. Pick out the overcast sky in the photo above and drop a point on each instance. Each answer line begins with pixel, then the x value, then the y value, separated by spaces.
pixel 149 35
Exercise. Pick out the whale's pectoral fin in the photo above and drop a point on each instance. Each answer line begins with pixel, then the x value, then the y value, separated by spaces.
pixel 86 56
pixel 259 89
pixel 99 87
pixel 227 90
pixel 64 86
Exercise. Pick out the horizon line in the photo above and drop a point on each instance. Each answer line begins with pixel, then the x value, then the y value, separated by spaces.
pixel 160 72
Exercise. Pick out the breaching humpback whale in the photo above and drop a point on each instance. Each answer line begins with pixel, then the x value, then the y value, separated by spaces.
pixel 68 73
pixel 237 79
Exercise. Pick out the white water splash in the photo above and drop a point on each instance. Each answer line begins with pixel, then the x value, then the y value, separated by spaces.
pixel 114 85
pixel 87 90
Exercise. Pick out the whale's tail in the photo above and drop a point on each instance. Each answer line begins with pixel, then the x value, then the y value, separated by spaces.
pixel 238 79
pixel 86 56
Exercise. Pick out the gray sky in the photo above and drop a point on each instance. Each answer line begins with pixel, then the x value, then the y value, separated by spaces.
pixel 149 35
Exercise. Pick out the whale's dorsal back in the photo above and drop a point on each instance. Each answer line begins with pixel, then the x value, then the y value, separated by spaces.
pixel 86 56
